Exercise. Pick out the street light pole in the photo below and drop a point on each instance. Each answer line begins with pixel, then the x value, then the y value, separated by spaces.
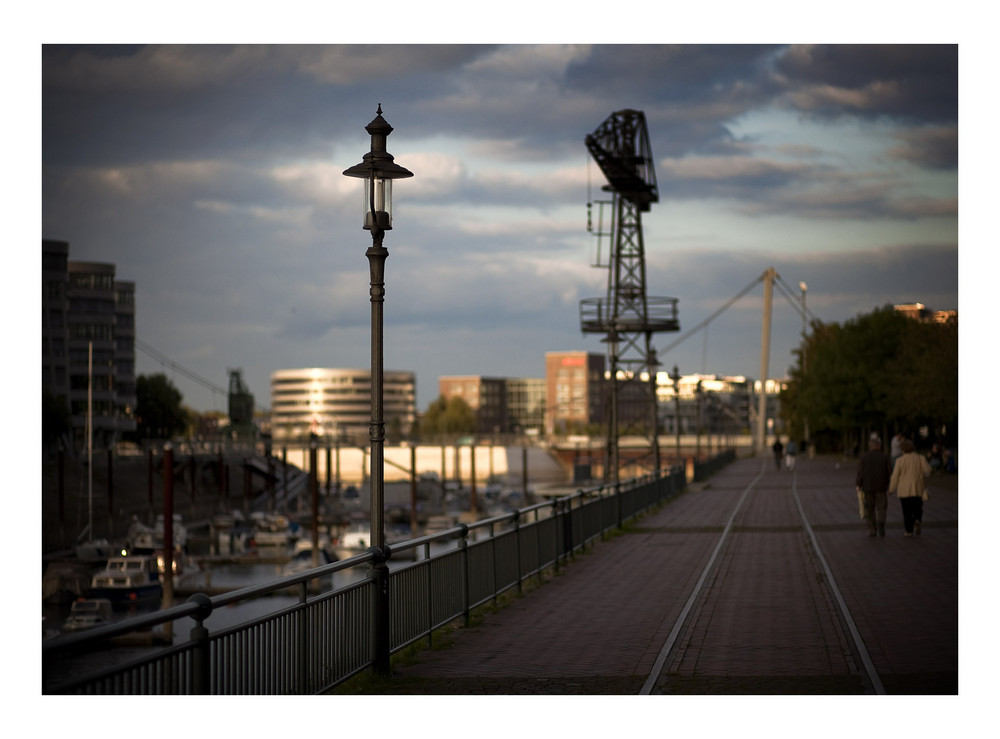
pixel 676 377
pixel 378 171
pixel 805 420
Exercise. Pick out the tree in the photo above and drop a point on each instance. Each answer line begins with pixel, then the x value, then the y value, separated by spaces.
pixel 880 371
pixel 159 414
pixel 448 417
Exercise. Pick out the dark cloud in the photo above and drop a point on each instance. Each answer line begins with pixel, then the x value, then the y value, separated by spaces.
pixel 686 74
pixel 916 83
pixel 929 146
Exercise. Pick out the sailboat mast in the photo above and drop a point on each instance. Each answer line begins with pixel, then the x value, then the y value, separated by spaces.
pixel 90 441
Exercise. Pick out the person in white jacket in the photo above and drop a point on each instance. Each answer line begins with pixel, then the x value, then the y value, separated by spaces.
pixel 907 483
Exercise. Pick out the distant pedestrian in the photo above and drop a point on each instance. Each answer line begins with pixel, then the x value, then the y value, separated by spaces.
pixel 790 455
pixel 874 473
pixel 896 447
pixel 777 448
pixel 908 484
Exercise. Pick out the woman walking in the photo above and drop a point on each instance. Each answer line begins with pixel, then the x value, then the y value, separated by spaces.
pixel 907 483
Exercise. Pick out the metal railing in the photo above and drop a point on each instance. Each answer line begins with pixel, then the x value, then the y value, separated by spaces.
pixel 327 637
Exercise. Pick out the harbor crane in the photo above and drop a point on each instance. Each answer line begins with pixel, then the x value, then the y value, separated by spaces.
pixel 626 316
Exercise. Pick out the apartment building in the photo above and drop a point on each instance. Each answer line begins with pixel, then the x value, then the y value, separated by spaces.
pixel 486 396
pixel 920 312
pixel 575 388
pixel 88 344
pixel 526 402
pixel 503 405
pixel 712 403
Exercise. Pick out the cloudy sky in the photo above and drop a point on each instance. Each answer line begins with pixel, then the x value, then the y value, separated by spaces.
pixel 212 177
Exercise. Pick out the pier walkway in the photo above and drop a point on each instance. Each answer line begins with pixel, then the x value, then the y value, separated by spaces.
pixel 758 581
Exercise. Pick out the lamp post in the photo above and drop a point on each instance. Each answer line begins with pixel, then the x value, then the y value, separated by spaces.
pixel 698 395
pixel 676 377
pixel 805 421
pixel 378 170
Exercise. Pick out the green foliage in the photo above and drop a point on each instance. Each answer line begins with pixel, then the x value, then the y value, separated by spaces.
pixel 448 418
pixel 159 414
pixel 878 371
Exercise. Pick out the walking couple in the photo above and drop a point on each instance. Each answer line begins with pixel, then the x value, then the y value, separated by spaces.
pixel 877 477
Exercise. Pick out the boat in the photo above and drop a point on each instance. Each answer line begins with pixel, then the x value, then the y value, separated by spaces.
pixel 88 613
pixel 182 566
pixel 272 530
pixel 94 550
pixel 357 540
pixel 302 557
pixel 230 532
pixel 354 541
pixel 437 524
pixel 127 579
pixel 142 538
pixel 64 582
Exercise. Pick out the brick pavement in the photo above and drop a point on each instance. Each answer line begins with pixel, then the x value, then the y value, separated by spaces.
pixel 766 623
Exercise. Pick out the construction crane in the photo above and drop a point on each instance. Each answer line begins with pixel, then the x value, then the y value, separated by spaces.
pixel 626 316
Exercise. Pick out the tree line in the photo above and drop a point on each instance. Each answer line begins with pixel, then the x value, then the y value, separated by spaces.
pixel 880 372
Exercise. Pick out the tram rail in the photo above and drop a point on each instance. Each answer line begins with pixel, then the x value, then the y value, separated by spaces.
pixel 716 580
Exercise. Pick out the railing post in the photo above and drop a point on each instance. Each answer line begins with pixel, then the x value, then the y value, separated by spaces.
pixel 517 545
pixel 302 661
pixel 380 577
pixel 493 557
pixel 568 525
pixel 430 595
pixel 556 524
pixel 201 666
pixel 618 502
pixel 463 546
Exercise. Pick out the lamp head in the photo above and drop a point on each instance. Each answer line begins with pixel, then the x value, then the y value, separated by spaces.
pixel 378 170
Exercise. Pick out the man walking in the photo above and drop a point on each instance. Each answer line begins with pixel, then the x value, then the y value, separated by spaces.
pixel 874 472
pixel 777 448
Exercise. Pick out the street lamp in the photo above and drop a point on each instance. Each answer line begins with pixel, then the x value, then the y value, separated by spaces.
pixel 805 421
pixel 378 170
pixel 676 377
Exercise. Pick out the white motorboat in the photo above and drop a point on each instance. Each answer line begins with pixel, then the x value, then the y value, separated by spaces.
pixel 88 613
pixel 272 530
pixel 143 538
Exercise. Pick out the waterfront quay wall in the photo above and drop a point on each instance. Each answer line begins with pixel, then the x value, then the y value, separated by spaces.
pixel 125 487
pixel 78 505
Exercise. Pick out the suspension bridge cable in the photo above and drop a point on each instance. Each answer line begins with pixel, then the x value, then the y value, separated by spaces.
pixel 793 299
pixel 163 359
pixel 715 315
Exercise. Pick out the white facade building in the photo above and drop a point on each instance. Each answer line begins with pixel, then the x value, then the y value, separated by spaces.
pixel 336 403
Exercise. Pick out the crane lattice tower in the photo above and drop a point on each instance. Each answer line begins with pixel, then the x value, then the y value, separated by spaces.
pixel 626 316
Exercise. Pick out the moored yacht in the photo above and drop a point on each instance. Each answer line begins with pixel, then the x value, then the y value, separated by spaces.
pixel 88 613
pixel 127 579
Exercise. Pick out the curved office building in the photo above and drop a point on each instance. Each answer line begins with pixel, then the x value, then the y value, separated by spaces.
pixel 336 404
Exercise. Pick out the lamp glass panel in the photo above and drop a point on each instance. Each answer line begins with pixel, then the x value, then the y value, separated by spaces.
pixel 382 195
